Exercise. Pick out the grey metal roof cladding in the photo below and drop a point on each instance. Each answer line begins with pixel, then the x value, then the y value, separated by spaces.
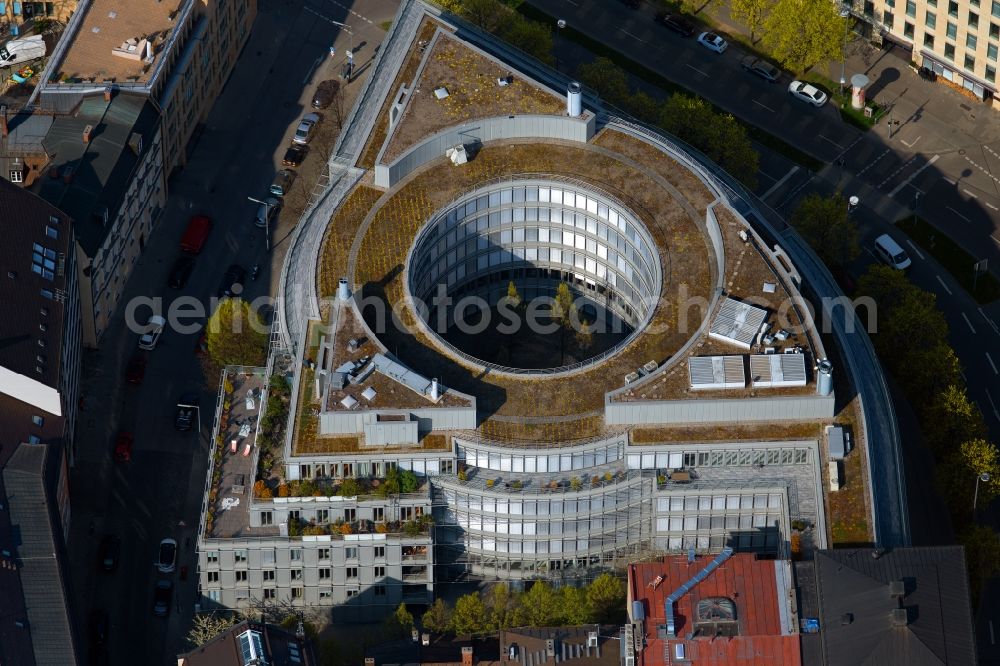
pixel 835 442
pixel 102 167
pixel 774 370
pixel 737 322
pixel 41 578
pixel 401 374
pixel 939 629
pixel 717 372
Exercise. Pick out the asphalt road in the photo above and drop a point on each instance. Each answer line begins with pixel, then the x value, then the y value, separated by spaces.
pixel 942 155
pixel 158 494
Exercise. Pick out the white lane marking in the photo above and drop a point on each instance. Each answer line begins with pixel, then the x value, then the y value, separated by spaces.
pixel 695 69
pixel 948 180
pixel 780 182
pixel 943 285
pixel 910 144
pixel 897 171
pixel 830 140
pixel 913 175
pixel 996 329
pixel 966 318
pixel 312 69
pixel 875 161
pixel 957 213
pixel 992 642
pixel 914 248
pixel 632 36
pixel 993 405
pixel 989 205
pixel 992 364
pixel 763 105
pixel 995 239
pixel 974 196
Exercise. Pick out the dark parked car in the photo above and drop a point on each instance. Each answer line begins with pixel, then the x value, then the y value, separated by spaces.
pixel 294 155
pixel 761 68
pixel 186 407
pixel 235 276
pixel 180 272
pixel 110 548
pixel 123 447
pixel 100 627
pixel 161 597
pixel 676 23
pixel 326 92
pixel 135 371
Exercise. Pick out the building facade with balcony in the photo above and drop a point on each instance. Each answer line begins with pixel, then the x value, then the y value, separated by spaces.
pixel 14 15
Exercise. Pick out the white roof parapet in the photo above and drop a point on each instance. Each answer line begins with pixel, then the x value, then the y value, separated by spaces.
pixel 717 372
pixel 774 370
pixel 737 323
pixel 31 391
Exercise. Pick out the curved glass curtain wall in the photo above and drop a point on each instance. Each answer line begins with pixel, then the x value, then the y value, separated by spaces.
pixel 564 229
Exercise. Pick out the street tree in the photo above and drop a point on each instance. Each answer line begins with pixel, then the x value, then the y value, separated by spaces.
pixel 826 226
pixel 437 619
pixel 469 616
pixel 750 13
pixel 804 33
pixel 532 37
pixel 951 418
pixel 607 78
pixel 501 605
pixel 236 335
pixel 206 626
pixel 982 555
pixel 399 624
pixel 606 598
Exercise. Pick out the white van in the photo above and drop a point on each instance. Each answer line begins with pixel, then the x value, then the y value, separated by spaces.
pixel 891 252
pixel 17 51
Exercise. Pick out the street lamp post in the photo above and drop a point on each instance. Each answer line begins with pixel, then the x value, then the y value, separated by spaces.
pixel 844 14
pixel 852 203
pixel 267 220
pixel 560 24
pixel 984 477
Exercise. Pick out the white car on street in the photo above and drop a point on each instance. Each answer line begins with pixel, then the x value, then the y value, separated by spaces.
pixel 166 556
pixel 713 42
pixel 154 329
pixel 304 131
pixel 807 92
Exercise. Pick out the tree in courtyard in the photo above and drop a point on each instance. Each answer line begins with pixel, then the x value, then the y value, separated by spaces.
pixel 804 33
pixel 513 297
pixel 750 13
pixel 824 223
pixel 606 598
pixel 575 605
pixel 437 619
pixel 469 616
pixel 539 607
pixel 399 624
pixel 584 336
pixel 236 335
pixel 564 313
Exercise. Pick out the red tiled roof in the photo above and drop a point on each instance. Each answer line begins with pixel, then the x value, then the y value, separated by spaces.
pixel 750 583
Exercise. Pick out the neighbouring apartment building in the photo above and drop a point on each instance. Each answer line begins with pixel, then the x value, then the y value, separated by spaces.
pixel 106 172
pixel 178 55
pixel 957 39
pixel 13 15
pixel 39 394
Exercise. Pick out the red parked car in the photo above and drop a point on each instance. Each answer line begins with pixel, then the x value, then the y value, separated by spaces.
pixel 123 447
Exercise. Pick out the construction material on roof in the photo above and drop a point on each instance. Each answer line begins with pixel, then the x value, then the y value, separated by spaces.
pixel 717 372
pixel 737 323
pixel 401 374
pixel 774 370
pixel 686 587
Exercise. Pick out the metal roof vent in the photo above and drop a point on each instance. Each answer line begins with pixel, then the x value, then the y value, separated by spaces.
pixel 897 589
pixel 900 618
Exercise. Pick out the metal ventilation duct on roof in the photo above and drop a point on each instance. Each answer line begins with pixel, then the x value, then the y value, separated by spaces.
pixel 737 323
pixel 774 370
pixel 401 374
pixel 717 372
